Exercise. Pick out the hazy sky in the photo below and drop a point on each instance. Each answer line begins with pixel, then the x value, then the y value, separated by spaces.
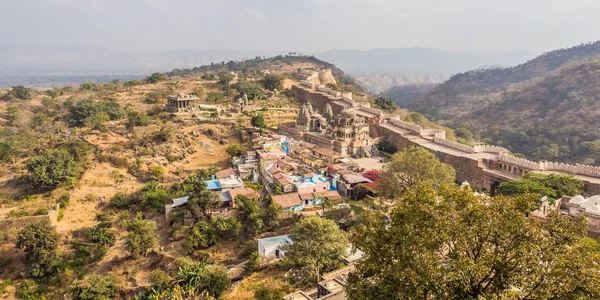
pixel 302 25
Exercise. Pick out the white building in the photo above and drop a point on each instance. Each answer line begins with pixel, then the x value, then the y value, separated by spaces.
pixel 270 248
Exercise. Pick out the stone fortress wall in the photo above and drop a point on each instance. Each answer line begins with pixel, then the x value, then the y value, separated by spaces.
pixel 470 162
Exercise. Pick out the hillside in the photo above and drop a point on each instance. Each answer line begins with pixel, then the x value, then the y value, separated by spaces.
pixel 546 108
pixel 102 160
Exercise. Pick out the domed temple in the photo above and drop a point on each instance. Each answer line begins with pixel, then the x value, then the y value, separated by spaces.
pixel 346 133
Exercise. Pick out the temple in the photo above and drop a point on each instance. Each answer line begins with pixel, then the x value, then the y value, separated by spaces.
pixel 345 133
pixel 182 103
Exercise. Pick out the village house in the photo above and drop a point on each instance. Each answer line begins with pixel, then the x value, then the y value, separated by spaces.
pixel 346 182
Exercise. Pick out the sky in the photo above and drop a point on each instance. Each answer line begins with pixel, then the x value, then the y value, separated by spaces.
pixel 304 26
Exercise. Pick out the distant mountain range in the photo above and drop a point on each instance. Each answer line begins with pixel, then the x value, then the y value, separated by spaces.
pixel 417 60
pixel 547 108
pixel 377 69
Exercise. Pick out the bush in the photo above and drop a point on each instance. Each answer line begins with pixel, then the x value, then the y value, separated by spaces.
pixel 52 168
pixel 272 82
pixel 20 92
pixel 234 150
pixel 201 277
pixel 27 290
pixel 135 118
pixel 157 172
pixel 203 236
pixel 253 262
pixel 120 200
pixel 131 83
pixel 251 89
pixel 142 237
pixel 156 77
pixel 39 242
pixel 95 287
pixel 154 97
pixel 101 234
pixel 225 77
pixel 159 279
pixel 156 199
pixel 227 227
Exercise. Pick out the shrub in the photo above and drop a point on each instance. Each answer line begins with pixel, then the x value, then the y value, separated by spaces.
pixel 27 290
pixel 39 242
pixel 156 199
pixel 253 262
pixel 201 277
pixel 142 237
pixel 52 168
pixel 95 287
pixel 159 279
pixel 203 236
pixel 157 172
pixel 120 200
pixel 272 82
pixel 156 77
pixel 101 234
pixel 22 93
pixel 136 118
pixel 133 82
pixel 154 97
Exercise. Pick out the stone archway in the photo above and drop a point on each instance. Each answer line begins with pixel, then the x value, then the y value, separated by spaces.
pixel 493 187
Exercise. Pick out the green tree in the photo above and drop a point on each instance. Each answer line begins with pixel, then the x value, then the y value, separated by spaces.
pixel 410 167
pixel 136 118
pixel 553 186
pixel 88 86
pixel 156 77
pixel 453 244
pixel 52 168
pixel 317 244
pixel 464 133
pixel 199 92
pixel 22 93
pixel 277 188
pixel 154 97
pixel 203 236
pixel 95 287
pixel 272 82
pixel 142 236
pixel 12 114
pixel 225 77
pixel 214 97
pixel 249 214
pixel 39 242
pixel 234 150
pixel 385 103
pixel 202 277
pixel 102 234
pixel 157 172
pixel 133 82
pixel 258 121
pixel 201 201
pixel 156 199
pixel 251 89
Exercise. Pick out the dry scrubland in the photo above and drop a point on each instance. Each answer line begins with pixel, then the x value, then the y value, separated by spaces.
pixel 121 160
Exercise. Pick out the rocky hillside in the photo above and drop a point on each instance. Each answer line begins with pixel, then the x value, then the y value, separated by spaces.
pixel 547 108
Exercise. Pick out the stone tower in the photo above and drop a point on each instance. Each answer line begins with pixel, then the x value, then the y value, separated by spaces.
pixel 327 112
pixel 303 120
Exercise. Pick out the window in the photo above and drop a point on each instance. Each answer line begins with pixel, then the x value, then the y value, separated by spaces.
pixel 314 190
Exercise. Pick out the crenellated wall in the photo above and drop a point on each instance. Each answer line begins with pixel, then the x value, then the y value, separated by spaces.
pixel 469 167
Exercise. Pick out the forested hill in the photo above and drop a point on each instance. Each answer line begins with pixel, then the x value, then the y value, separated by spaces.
pixel 547 108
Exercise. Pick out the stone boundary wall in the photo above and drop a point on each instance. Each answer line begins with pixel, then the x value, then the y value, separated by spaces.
pixel 439 137
pixel 454 145
pixel 15 223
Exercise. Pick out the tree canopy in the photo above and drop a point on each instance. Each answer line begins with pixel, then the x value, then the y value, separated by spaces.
pixel 410 167
pixel 453 244
pixel 385 103
pixel 53 167
pixel 258 121
pixel 39 241
pixel 317 244
pixel 272 82
pixel 553 185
